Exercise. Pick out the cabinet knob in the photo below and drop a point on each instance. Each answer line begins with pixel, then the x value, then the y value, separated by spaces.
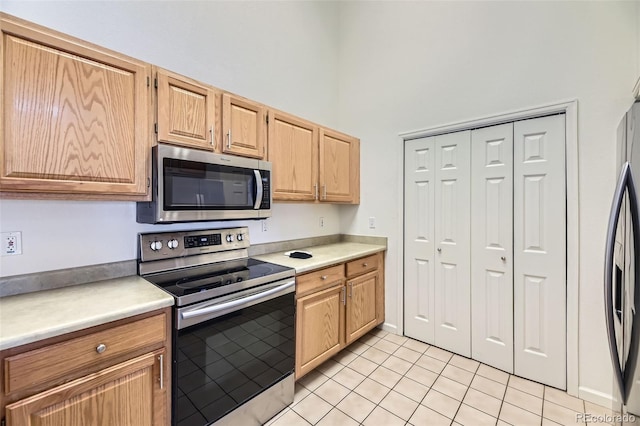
pixel 324 277
pixel 365 264
pixel 101 348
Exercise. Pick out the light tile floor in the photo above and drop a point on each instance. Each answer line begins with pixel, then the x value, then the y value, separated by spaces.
pixel 386 379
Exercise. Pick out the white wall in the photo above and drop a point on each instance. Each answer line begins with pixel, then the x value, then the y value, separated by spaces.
pixel 281 53
pixel 413 65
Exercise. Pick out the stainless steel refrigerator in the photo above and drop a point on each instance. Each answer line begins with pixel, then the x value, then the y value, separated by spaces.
pixel 622 277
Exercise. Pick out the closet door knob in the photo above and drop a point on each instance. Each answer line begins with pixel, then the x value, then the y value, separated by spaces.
pixel 439 249
pixel 504 259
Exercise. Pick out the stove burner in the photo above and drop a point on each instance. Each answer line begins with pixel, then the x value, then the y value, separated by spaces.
pixel 262 270
pixel 188 284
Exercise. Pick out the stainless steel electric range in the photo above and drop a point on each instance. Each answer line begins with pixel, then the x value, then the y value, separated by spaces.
pixel 233 325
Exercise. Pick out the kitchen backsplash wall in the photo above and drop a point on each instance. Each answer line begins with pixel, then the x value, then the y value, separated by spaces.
pixel 281 53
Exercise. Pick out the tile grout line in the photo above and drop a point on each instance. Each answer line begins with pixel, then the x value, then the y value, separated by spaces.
pixel 404 375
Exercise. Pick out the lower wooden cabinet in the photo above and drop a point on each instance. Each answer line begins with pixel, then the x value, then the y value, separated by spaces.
pixel 114 374
pixel 333 312
pixel 320 328
pixel 120 395
pixel 361 305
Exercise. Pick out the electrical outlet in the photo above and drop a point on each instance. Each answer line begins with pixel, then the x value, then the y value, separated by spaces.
pixel 264 225
pixel 372 222
pixel 11 243
pixel 321 222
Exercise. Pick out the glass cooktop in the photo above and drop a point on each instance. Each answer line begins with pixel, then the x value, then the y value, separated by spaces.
pixel 207 281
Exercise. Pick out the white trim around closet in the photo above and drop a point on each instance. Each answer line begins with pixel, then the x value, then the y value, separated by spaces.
pixel 570 109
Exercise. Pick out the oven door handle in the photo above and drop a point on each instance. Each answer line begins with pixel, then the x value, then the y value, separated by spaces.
pixel 239 303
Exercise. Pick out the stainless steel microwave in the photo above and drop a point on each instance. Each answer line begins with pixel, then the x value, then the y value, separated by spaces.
pixel 190 185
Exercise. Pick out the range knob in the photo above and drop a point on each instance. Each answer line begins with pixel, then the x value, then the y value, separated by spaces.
pixel 229 238
pixel 240 237
pixel 156 245
pixel 172 244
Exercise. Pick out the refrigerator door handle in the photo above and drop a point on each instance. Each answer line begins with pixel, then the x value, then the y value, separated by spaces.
pixel 608 275
pixel 631 364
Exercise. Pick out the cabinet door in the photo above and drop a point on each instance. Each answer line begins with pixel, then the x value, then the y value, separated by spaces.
pixel 243 127
pixel 452 239
pixel 319 328
pixel 492 246
pixel 293 152
pixel 76 117
pixel 186 111
pixel 129 393
pixel 361 305
pixel 339 167
pixel 539 276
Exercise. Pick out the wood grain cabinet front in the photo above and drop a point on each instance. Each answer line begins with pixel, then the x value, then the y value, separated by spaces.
pixel 114 374
pixel 333 313
pixel 76 118
pixel 339 167
pixel 124 394
pixel 244 127
pixel 186 111
pixel 311 163
pixel 319 328
pixel 293 152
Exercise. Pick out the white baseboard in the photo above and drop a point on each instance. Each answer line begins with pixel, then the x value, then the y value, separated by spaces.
pixel 597 397
pixel 390 328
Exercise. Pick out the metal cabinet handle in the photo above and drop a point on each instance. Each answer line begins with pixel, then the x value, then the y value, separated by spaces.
pixel 351 290
pixel 101 348
pixel 213 143
pixel 229 139
pixel 324 190
pixel 315 189
pixel 161 359
pixel 324 277
pixel 344 297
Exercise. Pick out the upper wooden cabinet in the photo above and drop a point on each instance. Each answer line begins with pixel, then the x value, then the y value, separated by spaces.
pixel 293 150
pixel 311 163
pixel 75 116
pixel 339 167
pixel 243 127
pixel 186 111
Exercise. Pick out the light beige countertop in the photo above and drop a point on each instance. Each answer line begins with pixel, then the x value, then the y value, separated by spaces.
pixel 324 255
pixel 27 318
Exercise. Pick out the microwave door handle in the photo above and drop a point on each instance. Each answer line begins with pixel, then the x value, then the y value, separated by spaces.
pixel 259 190
pixel 608 276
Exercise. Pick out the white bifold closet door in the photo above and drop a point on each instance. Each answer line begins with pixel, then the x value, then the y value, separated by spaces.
pixel 437 241
pixel 539 241
pixel 492 246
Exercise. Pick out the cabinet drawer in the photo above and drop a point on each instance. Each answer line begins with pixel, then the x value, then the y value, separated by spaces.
pixel 56 361
pixel 365 264
pixel 319 279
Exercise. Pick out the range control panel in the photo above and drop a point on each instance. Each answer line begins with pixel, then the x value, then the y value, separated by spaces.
pixel 168 245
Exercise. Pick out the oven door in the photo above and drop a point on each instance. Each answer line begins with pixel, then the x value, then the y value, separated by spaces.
pixel 230 351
